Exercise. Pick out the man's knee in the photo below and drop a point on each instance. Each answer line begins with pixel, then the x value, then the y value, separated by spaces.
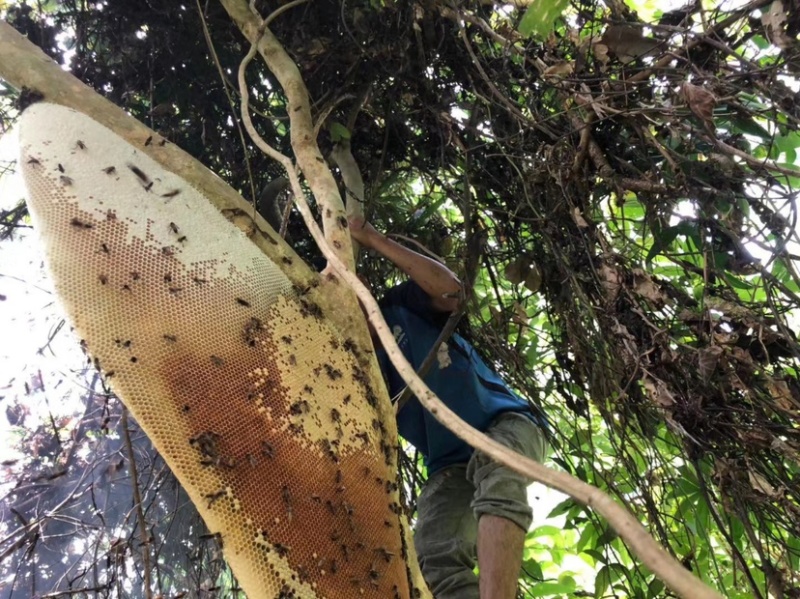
pixel 500 491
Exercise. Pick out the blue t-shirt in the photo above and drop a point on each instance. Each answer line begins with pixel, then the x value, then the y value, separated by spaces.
pixel 466 384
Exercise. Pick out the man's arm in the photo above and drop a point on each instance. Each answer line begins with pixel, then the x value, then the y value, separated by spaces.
pixel 438 281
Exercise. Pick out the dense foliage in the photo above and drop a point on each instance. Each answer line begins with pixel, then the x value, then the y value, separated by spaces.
pixel 617 188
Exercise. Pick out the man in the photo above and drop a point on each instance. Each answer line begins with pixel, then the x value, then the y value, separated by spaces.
pixel 469 502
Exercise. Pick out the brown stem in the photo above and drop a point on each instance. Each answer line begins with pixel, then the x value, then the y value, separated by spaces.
pixel 137 498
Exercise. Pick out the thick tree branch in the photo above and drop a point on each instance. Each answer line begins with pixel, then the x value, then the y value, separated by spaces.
pixel 304 143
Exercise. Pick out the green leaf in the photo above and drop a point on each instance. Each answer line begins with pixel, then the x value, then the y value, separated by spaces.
pixel 608 575
pixel 655 588
pixel 541 15
pixel 562 508
pixel 533 569
pixel 747 124
pixel 666 236
pixel 338 132
pixel 546 589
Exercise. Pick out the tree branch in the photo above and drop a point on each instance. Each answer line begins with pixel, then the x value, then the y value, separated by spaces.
pixel 304 143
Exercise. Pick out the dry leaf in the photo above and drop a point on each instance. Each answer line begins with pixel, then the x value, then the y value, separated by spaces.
pixel 601 53
pixel 759 483
pixel 533 280
pixel 707 360
pixel 701 102
pixel 781 394
pixel 658 392
pixel 519 316
pixel 611 281
pixel 578 218
pixel 517 269
pixel 627 43
pixel 645 287
pixel 559 70
pixel 774 21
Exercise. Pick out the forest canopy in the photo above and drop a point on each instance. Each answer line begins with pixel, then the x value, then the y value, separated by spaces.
pixel 616 182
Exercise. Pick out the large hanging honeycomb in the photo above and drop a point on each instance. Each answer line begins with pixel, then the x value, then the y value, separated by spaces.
pixel 264 413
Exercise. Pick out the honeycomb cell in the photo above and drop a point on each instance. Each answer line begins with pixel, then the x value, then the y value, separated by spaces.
pixel 265 415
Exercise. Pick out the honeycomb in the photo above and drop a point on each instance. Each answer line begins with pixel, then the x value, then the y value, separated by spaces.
pixel 265 414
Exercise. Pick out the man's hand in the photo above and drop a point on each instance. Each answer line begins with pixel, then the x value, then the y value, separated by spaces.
pixel 363 232
pixel 438 281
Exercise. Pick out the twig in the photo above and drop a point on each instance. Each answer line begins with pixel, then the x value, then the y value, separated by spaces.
pixel 137 498
pixel 309 158
pixel 212 49
pixel 449 328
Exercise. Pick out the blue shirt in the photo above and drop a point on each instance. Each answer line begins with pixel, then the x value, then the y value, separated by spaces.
pixel 461 379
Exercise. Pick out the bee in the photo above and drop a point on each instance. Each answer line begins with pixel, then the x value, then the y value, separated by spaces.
pixel 212 497
pixel 170 338
pixel 175 290
pixel 80 144
pixel 103 279
pixel 335 416
pixel 217 361
pixel 148 141
pixel 206 444
pixel 110 170
pixel 76 222
pixel 199 281
pixel 60 167
pixel 135 276
pixel 267 449
pixel 173 227
pixel 242 302
pixel 104 248
pixel 34 161
pixel 286 260
pixel 168 278
pixel 182 238
pixel 287 499
pixel 139 174
pixel 171 194
pixel 332 372
pixel 66 180
pixel 342 222
pixel 149 186
pixel 167 250
pixel 299 407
